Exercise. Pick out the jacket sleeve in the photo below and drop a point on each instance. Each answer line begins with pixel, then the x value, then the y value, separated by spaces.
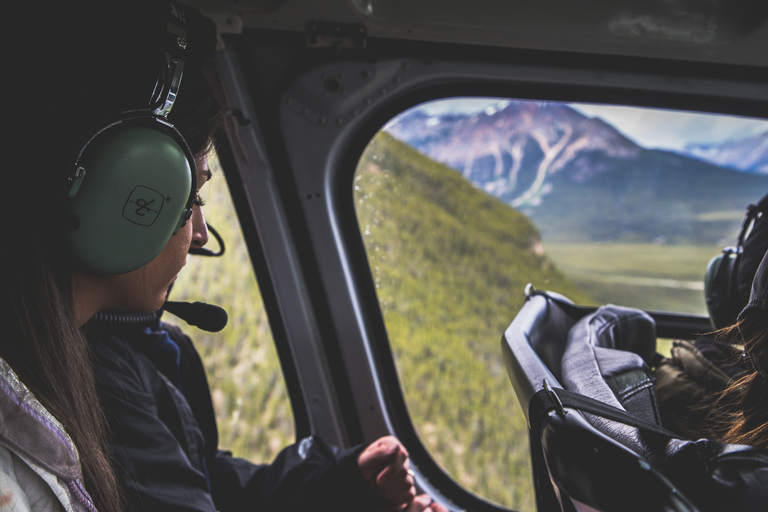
pixel 306 476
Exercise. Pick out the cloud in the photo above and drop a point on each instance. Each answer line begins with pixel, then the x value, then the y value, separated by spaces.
pixel 669 129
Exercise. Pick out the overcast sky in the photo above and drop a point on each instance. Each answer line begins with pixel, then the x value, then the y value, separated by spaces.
pixel 651 128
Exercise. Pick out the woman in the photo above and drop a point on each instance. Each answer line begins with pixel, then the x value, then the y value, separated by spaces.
pixel 97 62
pixel 103 63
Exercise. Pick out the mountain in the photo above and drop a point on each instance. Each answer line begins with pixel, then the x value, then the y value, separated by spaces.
pixel 510 152
pixel 578 178
pixel 657 197
pixel 749 154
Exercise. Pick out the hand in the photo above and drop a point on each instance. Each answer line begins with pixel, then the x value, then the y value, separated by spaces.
pixel 384 464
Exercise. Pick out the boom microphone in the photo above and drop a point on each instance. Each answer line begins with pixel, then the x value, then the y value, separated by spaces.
pixel 204 316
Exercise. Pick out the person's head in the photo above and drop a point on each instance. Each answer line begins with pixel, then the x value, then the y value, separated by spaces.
pixel 83 65
pixel 87 103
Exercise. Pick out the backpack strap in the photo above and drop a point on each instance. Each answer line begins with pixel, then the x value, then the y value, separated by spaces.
pixel 549 399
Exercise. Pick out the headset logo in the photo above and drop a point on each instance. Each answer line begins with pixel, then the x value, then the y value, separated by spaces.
pixel 143 206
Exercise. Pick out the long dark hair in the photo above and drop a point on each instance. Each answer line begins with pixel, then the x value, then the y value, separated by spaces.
pixel 44 346
pixel 739 414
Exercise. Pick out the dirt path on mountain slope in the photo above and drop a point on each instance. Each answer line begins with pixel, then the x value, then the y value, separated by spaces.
pixel 550 154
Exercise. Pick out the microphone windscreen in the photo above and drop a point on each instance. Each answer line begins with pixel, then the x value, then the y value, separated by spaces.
pixel 204 316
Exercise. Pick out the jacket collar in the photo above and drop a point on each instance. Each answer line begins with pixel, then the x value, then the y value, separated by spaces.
pixel 27 428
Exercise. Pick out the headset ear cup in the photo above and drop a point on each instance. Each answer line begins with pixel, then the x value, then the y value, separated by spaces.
pixel 133 196
pixel 720 288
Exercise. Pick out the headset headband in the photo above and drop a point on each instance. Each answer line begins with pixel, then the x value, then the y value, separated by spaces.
pixel 753 212
pixel 169 79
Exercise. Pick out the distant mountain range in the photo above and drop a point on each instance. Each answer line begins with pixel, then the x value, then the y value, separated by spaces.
pixel 579 178
pixel 749 154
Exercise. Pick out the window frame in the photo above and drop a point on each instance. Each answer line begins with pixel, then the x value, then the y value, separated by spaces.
pixel 343 322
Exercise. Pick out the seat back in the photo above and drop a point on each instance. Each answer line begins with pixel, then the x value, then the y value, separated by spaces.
pixel 575 465
pixel 583 461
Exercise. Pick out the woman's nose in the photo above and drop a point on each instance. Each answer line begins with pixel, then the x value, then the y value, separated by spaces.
pixel 199 228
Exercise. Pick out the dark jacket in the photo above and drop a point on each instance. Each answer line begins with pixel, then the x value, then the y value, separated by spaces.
pixel 165 441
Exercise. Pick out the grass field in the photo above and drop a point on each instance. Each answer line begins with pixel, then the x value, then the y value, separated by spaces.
pixel 647 276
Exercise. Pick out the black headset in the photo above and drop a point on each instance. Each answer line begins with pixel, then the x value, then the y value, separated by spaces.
pixel 721 280
pixel 133 183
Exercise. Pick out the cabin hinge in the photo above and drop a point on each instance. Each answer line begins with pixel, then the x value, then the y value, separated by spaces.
pixel 335 35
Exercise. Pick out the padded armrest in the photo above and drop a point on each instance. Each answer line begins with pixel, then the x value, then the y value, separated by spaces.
pixel 533 345
pixel 548 334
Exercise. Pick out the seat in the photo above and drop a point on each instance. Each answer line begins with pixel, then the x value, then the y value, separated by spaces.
pixel 558 355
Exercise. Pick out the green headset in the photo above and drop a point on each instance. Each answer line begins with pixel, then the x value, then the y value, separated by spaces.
pixel 133 183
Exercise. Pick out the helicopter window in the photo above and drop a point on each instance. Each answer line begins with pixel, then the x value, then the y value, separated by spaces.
pixel 462 202
pixel 253 410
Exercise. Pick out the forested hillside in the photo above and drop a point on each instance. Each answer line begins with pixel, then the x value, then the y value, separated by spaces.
pixel 450 264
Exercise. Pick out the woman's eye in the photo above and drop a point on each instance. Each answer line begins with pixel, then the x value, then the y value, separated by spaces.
pixel 198 201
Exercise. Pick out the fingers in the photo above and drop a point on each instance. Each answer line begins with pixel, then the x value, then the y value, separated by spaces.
pixel 384 463
pixel 396 483
pixel 394 468
pixel 423 503
pixel 380 454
